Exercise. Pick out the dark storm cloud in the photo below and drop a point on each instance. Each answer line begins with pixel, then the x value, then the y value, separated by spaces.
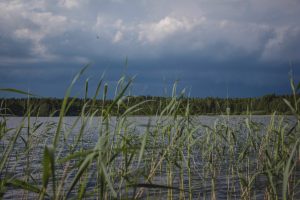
pixel 14 48
pixel 206 45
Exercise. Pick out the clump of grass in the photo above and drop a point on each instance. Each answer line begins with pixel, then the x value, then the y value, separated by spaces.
pixel 172 155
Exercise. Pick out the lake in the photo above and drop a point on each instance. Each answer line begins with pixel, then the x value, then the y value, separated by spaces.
pixel 202 157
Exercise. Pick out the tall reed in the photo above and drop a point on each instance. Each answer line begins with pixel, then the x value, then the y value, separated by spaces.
pixel 105 153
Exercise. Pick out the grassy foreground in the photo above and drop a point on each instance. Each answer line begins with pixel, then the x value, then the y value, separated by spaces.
pixel 172 157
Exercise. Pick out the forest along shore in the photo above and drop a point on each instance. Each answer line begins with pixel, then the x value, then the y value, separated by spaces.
pixel 265 105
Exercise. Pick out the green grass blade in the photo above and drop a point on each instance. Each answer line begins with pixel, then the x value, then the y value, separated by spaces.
pixel 119 96
pixel 48 168
pixel 150 185
pixel 84 165
pixel 12 90
pixel 143 145
pixel 287 171
pixel 10 147
pixel 64 106
pixel 107 178
pixel 16 183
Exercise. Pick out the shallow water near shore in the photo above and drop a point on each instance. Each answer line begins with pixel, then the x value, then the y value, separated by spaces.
pixel 182 182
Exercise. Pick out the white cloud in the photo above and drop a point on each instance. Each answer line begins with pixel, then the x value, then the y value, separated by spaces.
pixel 285 45
pixel 118 37
pixel 35 37
pixel 47 22
pixel 246 36
pixel 47 25
pixel 111 29
pixel 69 4
pixel 195 26
pixel 31 21
pixel 155 32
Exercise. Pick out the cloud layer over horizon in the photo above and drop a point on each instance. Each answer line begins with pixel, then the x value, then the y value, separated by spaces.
pixel 208 45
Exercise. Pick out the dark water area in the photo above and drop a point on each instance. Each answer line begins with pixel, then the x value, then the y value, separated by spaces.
pixel 197 184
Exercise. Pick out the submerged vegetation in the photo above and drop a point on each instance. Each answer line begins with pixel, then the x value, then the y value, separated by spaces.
pixel 103 153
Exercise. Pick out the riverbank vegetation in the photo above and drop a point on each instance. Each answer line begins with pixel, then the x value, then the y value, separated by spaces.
pixel 151 105
pixel 172 155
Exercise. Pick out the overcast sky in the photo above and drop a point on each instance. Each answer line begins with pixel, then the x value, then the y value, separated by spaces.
pixel 208 46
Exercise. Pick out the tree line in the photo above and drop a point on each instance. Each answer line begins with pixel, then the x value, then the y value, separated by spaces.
pixel 149 105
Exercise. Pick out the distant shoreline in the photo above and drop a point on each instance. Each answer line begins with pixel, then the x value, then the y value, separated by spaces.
pixel 151 105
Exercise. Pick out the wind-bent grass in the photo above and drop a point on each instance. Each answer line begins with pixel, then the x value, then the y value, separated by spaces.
pixel 172 156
